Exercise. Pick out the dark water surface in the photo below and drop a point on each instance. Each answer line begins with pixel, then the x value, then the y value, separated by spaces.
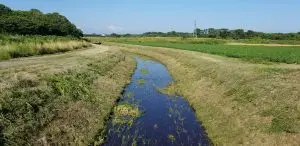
pixel 166 120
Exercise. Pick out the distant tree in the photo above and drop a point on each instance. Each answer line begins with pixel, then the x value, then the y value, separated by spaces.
pixel 238 34
pixel 198 32
pixel 213 33
pixel 115 35
pixel 250 34
pixel 224 33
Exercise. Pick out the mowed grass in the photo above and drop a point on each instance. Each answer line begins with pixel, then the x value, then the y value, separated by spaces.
pixel 238 103
pixel 63 99
pixel 258 54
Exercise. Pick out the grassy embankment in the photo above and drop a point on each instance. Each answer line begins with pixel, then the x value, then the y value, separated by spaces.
pixel 61 99
pixel 24 46
pixel 258 54
pixel 237 102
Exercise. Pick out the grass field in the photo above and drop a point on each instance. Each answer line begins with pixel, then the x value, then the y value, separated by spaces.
pixel 259 54
pixel 61 99
pixel 24 46
pixel 239 103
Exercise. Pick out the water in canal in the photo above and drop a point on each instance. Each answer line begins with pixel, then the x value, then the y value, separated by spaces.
pixel 165 119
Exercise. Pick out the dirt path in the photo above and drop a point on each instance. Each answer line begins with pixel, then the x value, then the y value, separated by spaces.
pixel 55 59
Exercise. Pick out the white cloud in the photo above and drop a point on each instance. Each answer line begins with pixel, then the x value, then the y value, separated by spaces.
pixel 114 28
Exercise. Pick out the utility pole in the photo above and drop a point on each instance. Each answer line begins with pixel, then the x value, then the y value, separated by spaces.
pixel 195 30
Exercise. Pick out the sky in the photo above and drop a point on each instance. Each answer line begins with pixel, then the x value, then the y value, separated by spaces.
pixel 138 16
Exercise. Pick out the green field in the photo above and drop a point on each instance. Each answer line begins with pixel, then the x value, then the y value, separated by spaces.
pixel 260 54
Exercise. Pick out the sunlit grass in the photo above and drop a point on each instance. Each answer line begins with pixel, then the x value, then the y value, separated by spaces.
pixel 24 46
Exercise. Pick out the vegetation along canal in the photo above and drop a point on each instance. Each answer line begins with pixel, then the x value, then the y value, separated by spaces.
pixel 147 116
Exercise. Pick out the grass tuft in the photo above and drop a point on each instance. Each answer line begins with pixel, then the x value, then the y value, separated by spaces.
pixel 141 81
pixel 171 138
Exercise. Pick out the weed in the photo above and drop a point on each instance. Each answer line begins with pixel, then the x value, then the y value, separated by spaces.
pixel 141 81
pixel 169 90
pixel 126 109
pixel 171 138
pixel 130 94
pixel 144 71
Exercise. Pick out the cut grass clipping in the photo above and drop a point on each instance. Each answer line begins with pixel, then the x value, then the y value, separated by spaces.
pixel 125 113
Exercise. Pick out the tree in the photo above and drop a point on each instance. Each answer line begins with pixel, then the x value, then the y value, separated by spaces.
pixel 238 34
pixel 34 22
pixel 212 33
pixel 250 34
pixel 4 9
pixel 224 33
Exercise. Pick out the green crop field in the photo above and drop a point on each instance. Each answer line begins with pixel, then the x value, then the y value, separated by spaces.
pixel 260 54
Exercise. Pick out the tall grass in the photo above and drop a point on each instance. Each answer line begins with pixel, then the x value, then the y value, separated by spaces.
pixel 24 46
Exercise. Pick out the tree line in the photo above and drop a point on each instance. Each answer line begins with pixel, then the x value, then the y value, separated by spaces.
pixel 34 22
pixel 242 34
pixel 214 33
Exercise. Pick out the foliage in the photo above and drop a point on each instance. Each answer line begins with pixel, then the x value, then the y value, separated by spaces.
pixel 24 46
pixel 34 22
pixel 242 34
pixel 222 33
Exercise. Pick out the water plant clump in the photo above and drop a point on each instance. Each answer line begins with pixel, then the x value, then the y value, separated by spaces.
pixel 171 138
pixel 168 90
pixel 127 109
pixel 144 71
pixel 125 113
pixel 141 81
pixel 130 94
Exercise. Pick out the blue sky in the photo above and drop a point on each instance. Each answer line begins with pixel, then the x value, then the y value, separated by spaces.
pixel 137 16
